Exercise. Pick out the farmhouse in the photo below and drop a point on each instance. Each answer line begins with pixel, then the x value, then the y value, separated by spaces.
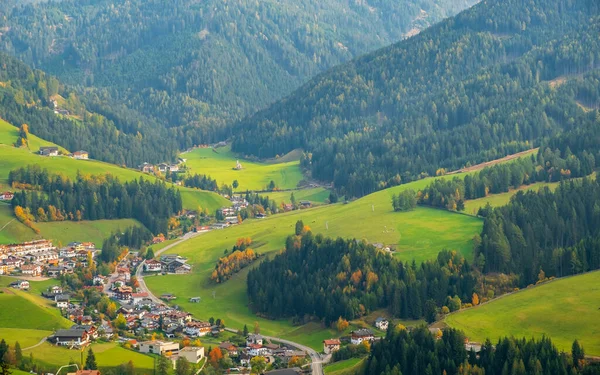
pixel 81 155
pixel 89 329
pixel 159 347
pixel 20 284
pixel 62 301
pixel 146 167
pixel 6 196
pixel 381 323
pixel 71 337
pixel 330 346
pixel 230 348
pixel 254 339
pixel 49 151
pixel 361 335
pixel 152 265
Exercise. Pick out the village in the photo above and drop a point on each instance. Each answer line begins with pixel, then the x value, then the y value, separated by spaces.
pixel 143 322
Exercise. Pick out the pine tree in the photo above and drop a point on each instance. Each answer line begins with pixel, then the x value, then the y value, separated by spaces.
pixel 18 352
pixel 163 366
pixel 90 361
pixel 245 332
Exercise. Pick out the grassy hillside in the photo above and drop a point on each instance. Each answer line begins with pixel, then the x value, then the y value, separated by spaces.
pixel 315 195
pixel 219 164
pixel 419 235
pixel 564 310
pixel 11 158
pixel 107 355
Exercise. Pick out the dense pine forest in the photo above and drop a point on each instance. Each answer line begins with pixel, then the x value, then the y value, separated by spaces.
pixel 109 133
pixel 418 352
pixel 193 66
pixel 56 198
pixel 475 87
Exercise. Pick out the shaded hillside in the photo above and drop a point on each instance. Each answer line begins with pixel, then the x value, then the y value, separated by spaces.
pixel 468 90
pixel 193 65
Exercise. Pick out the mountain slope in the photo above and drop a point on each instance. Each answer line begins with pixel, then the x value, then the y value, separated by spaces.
pixel 469 89
pixel 196 64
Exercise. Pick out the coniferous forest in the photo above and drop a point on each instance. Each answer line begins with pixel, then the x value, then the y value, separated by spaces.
pixel 418 352
pixel 475 87
pixel 193 67
pixel 56 198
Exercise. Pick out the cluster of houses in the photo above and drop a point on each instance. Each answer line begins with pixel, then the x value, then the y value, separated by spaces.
pixel 169 263
pixel 162 168
pixel 255 346
pixel 54 151
pixel 35 258
pixel 357 337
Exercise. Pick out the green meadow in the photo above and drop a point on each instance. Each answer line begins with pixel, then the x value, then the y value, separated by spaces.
pixel 346 367
pixel 314 195
pixel 418 235
pixel 220 163
pixel 564 310
pixel 107 355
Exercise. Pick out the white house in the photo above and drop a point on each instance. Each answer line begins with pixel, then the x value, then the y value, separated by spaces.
pixel 361 335
pixel 152 266
pixel 256 350
pixel 382 323
pixel 254 339
pixel 196 329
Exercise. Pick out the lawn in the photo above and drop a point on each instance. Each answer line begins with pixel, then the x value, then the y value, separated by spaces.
pixel 25 337
pixel 220 164
pixel 27 310
pixel 12 230
pixel 96 231
pixel 419 235
pixel 563 310
pixel 348 366
pixel 107 355
pixel 314 195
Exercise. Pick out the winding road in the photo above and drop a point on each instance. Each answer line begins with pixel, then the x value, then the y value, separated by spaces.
pixel 316 360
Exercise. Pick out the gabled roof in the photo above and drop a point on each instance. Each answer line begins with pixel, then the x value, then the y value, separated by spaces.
pixel 332 342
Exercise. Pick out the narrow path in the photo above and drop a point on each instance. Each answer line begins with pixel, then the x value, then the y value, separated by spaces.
pixel 36 345
pixel 317 363
pixel 5 225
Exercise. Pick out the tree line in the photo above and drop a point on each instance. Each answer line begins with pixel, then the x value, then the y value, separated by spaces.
pixel 419 352
pixel 94 198
pixel 548 165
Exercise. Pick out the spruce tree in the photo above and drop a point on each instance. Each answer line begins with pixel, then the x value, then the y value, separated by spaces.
pixel 90 361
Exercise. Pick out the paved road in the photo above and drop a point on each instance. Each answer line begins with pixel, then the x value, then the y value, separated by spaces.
pixel 139 272
pixel 317 363
pixel 113 276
